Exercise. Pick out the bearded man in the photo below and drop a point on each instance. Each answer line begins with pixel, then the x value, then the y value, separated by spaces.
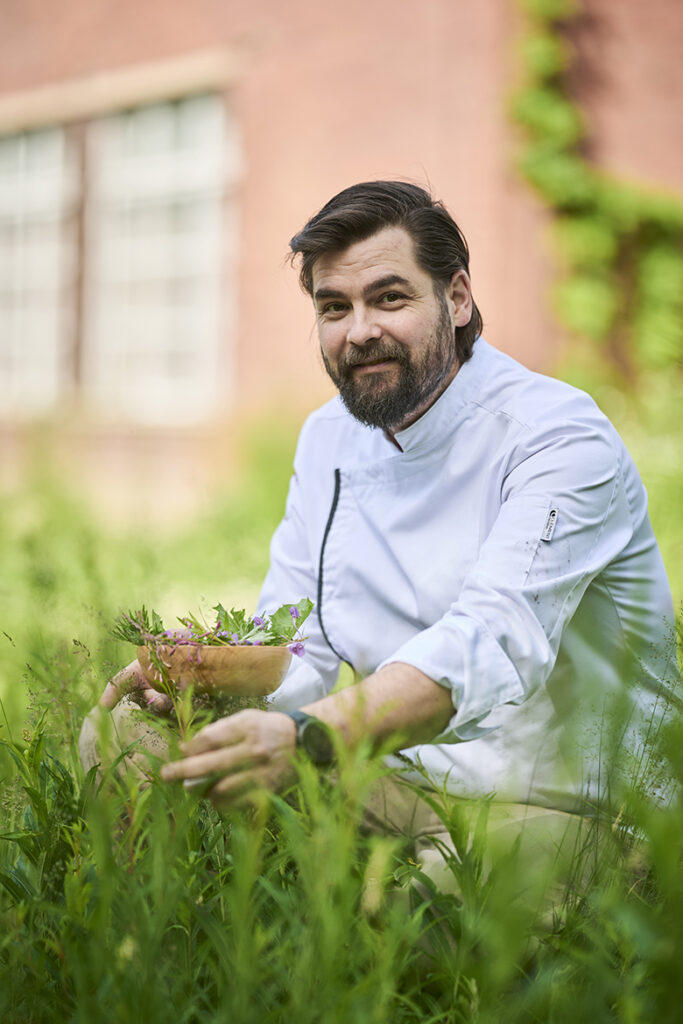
pixel 476 539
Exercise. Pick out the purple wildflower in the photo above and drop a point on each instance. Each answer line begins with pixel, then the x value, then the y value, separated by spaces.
pixel 235 638
pixel 257 620
pixel 294 612
pixel 297 648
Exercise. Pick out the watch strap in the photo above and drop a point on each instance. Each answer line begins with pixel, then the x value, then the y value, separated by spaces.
pixel 313 737
pixel 299 718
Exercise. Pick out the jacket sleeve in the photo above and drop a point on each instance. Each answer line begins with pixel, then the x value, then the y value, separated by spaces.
pixel 291 577
pixel 564 515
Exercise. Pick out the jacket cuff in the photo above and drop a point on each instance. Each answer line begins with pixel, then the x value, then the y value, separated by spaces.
pixel 457 663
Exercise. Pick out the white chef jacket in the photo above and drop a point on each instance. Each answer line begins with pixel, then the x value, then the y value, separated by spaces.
pixel 506 552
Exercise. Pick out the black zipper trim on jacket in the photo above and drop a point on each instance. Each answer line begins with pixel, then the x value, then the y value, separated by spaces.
pixel 328 527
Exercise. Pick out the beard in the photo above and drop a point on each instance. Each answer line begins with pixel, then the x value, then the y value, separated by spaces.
pixel 376 402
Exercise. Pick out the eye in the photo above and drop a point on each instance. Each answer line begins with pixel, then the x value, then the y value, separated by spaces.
pixel 391 297
pixel 332 309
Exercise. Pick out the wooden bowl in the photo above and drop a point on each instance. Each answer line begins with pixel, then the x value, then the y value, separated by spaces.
pixel 243 671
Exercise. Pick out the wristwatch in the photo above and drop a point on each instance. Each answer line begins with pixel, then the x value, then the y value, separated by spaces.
pixel 313 737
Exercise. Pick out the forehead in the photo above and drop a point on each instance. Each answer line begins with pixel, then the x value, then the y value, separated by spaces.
pixel 390 251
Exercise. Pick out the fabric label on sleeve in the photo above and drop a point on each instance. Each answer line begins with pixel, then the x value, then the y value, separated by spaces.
pixel 549 528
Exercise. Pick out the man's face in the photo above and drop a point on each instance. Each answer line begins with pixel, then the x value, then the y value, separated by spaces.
pixel 387 335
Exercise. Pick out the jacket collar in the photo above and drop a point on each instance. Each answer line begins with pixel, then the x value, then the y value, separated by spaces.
pixel 439 419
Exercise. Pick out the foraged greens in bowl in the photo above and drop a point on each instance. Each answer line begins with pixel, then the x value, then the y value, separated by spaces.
pixel 237 654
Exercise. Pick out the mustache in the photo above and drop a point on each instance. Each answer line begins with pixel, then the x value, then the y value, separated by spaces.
pixel 372 352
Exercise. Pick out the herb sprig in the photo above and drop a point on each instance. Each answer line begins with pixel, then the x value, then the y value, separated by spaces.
pixel 231 628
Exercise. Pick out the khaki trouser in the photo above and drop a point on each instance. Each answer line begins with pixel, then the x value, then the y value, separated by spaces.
pixel 542 853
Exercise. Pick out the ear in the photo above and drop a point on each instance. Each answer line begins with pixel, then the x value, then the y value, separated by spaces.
pixel 459 294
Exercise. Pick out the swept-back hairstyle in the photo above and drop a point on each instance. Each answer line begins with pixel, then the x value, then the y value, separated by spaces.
pixel 362 210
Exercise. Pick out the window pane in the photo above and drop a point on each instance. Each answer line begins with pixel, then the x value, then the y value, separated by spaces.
pixel 38 180
pixel 159 186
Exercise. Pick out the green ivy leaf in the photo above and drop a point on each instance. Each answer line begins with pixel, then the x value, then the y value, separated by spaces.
pixel 586 241
pixel 563 178
pixel 544 54
pixel 587 305
pixel 548 114
pixel 550 10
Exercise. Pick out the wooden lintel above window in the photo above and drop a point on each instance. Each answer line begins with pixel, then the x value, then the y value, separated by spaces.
pixel 90 96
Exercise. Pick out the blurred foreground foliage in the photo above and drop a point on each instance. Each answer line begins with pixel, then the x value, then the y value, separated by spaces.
pixel 131 905
pixel 119 904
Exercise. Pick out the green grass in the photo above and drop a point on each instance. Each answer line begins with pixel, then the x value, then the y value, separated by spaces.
pixel 151 906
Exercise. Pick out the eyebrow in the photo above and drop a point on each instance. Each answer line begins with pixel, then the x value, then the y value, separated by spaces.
pixel 389 280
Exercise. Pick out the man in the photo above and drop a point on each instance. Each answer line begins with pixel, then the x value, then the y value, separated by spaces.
pixel 475 537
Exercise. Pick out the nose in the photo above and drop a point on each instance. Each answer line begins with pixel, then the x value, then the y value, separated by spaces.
pixel 362 326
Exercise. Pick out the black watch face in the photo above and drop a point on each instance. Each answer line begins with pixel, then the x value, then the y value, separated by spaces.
pixel 317 742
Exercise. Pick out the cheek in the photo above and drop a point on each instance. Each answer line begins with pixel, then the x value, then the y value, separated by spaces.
pixel 409 327
pixel 331 342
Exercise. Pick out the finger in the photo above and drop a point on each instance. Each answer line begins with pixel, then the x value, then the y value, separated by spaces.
pixel 249 784
pixel 223 733
pixel 129 678
pixel 159 703
pixel 200 786
pixel 110 697
pixel 223 760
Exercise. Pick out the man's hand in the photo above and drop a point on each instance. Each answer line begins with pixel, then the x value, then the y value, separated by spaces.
pixel 249 751
pixel 131 678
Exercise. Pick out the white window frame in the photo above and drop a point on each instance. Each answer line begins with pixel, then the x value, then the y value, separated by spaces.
pixel 66 363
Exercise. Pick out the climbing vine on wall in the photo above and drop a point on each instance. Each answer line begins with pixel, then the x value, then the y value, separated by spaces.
pixel 620 245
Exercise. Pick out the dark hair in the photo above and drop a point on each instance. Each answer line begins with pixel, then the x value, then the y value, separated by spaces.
pixel 362 210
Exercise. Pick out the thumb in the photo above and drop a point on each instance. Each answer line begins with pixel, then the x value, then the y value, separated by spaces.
pixel 129 678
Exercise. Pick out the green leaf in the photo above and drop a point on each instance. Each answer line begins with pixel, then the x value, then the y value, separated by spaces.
pixel 587 305
pixel 17 885
pixel 563 178
pixel 305 607
pixel 221 616
pixel 586 241
pixel 550 10
pixel 192 623
pixel 136 627
pixel 547 114
pixel 544 54
pixel 283 623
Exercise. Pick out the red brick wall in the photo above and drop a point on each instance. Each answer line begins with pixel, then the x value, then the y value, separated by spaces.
pixel 333 93
pixel 628 78
pixel 330 94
